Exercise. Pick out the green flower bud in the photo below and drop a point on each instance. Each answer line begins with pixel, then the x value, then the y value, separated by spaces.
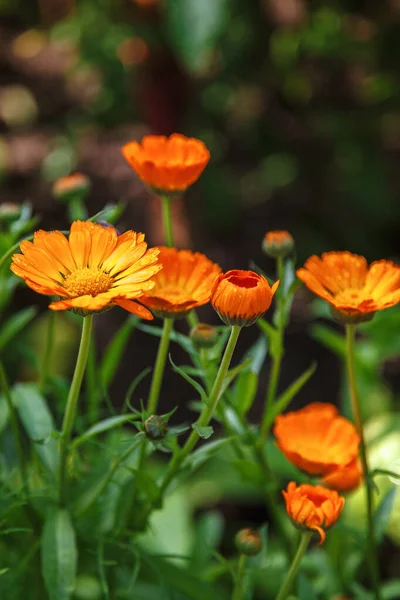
pixel 9 212
pixel 278 244
pixel 248 542
pixel 71 187
pixel 204 335
pixel 155 427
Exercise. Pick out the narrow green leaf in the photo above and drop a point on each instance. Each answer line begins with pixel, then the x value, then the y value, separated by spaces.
pixel 268 330
pixel 175 336
pixel 383 513
pixel 190 380
pixel 114 351
pixel 59 555
pixel 133 386
pixel 247 381
pixel 15 324
pixel 204 432
pixel 288 395
pixel 37 421
pixel 330 339
pixel 391 590
pixel 103 426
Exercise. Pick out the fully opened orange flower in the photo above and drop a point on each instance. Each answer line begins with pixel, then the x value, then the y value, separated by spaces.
pixel 352 287
pixel 344 479
pixel 184 282
pixel 167 164
pixel 317 439
pixel 241 297
pixel 313 507
pixel 91 270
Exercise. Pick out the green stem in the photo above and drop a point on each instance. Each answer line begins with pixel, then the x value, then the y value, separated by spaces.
pixel 159 367
pixel 238 592
pixel 277 354
pixel 355 401
pixel 192 319
pixel 70 410
pixel 91 385
pixel 48 351
pixel 166 211
pixel 14 425
pixel 289 580
pixel 76 209
pixel 206 413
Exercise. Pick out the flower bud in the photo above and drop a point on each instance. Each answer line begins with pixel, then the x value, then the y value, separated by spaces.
pixel 248 542
pixel 278 244
pixel 72 186
pixel 155 427
pixel 204 335
pixel 9 212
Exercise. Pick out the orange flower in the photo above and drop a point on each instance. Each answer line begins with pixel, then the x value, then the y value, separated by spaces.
pixel 184 282
pixel 278 243
pixel 354 289
pixel 92 270
pixel 71 186
pixel 241 297
pixel 317 439
pixel 344 479
pixel 168 165
pixel 313 507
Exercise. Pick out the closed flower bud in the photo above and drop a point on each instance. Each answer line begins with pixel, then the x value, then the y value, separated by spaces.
pixel 9 212
pixel 278 244
pixel 241 297
pixel 155 428
pixel 204 335
pixel 72 186
pixel 248 542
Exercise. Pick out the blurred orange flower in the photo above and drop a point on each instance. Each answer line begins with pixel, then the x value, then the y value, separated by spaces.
pixel 317 439
pixel 91 270
pixel 278 243
pixel 313 507
pixel 71 185
pixel 167 164
pixel 344 479
pixel 352 287
pixel 184 282
pixel 241 297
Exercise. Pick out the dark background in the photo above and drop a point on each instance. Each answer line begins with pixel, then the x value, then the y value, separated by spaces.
pixel 298 102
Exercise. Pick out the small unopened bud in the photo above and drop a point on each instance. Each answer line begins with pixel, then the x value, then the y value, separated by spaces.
pixel 9 212
pixel 73 186
pixel 278 244
pixel 155 427
pixel 248 542
pixel 204 335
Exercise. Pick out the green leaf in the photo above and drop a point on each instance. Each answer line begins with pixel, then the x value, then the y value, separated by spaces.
pixel 204 432
pixel 114 351
pixel 305 589
pixel 37 421
pixel 175 336
pixel 330 339
pixel 249 470
pixel 103 426
pixel 194 27
pixel 208 536
pixel 391 590
pixel 247 381
pixel 189 379
pixel 59 555
pixel 288 395
pixel 383 513
pixel 15 324
pixel 232 374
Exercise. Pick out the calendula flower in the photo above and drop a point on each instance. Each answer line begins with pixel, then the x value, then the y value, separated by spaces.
pixel 168 165
pixel 71 185
pixel 354 289
pixel 184 282
pixel 313 507
pixel 344 479
pixel 241 297
pixel 91 270
pixel 278 243
pixel 317 439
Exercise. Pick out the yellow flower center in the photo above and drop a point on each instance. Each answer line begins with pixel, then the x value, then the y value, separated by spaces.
pixel 87 282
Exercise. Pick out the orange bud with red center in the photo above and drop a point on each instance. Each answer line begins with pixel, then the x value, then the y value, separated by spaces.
pixel 313 507
pixel 241 297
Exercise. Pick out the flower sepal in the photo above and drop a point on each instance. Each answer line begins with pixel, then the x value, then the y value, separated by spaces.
pixel 349 318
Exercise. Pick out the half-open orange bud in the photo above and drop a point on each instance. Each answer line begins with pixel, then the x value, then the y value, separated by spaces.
pixel 313 507
pixel 241 297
